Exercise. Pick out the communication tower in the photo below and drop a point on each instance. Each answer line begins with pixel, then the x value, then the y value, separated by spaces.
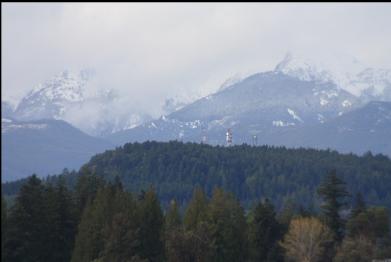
pixel 229 137
pixel 204 138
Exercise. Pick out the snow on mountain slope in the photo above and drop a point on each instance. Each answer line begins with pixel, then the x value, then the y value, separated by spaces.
pixel 346 72
pixel 360 130
pixel 50 100
pixel 7 110
pixel 261 103
pixel 79 100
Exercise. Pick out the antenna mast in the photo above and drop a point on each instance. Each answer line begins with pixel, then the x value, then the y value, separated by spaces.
pixel 229 137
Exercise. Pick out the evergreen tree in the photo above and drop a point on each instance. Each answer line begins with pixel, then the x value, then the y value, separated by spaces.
pixel 228 227
pixel 61 213
pixel 373 223
pixel 265 232
pixel 333 191
pixel 359 249
pixel 90 239
pixel 87 186
pixel 27 236
pixel 359 205
pixel 151 226
pixel 3 226
pixel 172 218
pixel 122 240
pixel 196 210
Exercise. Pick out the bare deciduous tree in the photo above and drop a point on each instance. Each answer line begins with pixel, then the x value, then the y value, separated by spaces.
pixel 306 239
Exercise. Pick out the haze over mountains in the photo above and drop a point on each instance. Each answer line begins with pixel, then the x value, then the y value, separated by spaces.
pixel 44 147
pixel 342 105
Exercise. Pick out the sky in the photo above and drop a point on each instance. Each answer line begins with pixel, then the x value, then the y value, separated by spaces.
pixel 148 52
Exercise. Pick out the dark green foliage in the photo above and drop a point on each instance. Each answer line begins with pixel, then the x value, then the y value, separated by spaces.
pixel 151 227
pixel 373 223
pixel 62 222
pixel 27 232
pixel 121 236
pixel 251 173
pixel 3 226
pixel 333 192
pixel 92 215
pixel 172 219
pixel 196 232
pixel 228 226
pixel 196 212
pixel 265 232
pixel 42 219
pixel 87 187
pixel 368 235
pixel 97 216
pixel 358 206
pixel 109 229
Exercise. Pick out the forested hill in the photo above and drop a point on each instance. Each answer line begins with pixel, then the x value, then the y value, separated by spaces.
pixel 251 173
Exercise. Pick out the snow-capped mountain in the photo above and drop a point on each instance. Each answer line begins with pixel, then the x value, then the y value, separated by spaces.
pixel 366 128
pixel 79 100
pixel 7 110
pixel 300 103
pixel 259 104
pixel 51 99
pixel 344 71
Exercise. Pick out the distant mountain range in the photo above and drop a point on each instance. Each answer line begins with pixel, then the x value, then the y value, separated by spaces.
pixel 309 114
pixel 44 147
pixel 77 99
pixel 345 72
pixel 343 105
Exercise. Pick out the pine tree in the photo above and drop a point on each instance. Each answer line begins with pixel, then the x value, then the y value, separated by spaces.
pixel 87 186
pixel 27 225
pixel 228 227
pixel 359 205
pixel 90 239
pixel 3 226
pixel 61 212
pixel 358 249
pixel 151 226
pixel 333 191
pixel 172 218
pixel 265 232
pixel 196 210
pixel 122 240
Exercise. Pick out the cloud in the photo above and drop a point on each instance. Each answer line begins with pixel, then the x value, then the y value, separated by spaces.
pixel 148 52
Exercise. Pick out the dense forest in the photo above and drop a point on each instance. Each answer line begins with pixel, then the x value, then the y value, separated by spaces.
pixel 100 221
pixel 251 173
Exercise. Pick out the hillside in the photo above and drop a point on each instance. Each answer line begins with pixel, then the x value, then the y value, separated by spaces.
pixel 44 147
pixel 251 173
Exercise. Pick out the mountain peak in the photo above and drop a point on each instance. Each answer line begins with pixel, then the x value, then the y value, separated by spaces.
pixel 344 71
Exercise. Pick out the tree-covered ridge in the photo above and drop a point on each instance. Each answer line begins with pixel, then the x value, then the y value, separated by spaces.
pixel 250 172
